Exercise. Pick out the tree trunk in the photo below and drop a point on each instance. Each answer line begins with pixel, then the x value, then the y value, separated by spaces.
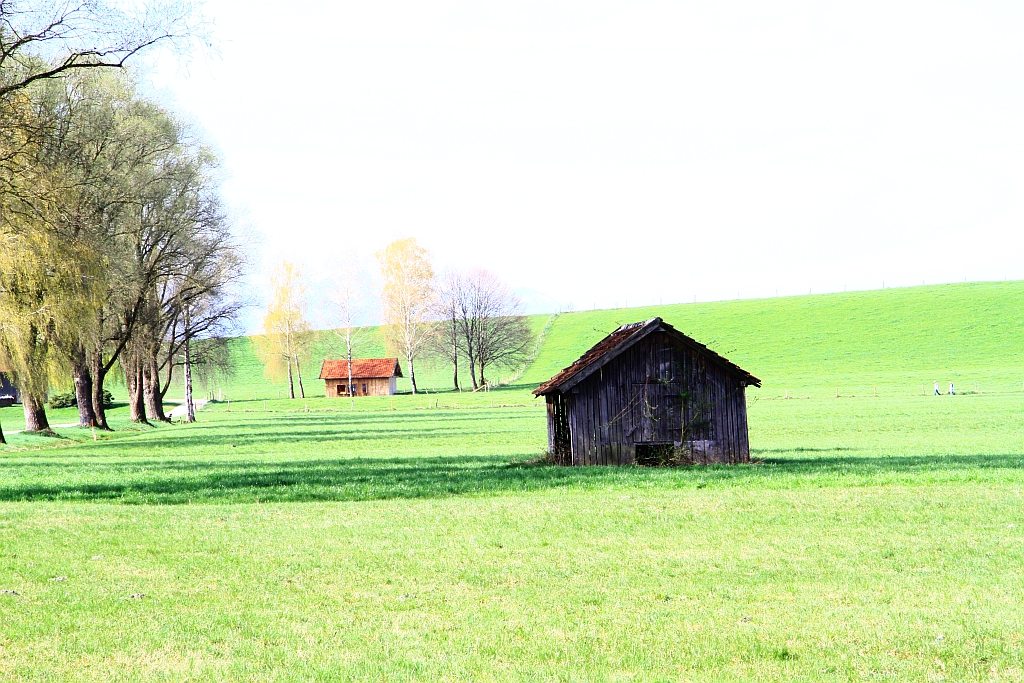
pixel 455 361
pixel 2 439
pixel 83 388
pixel 483 382
pixel 298 373
pixel 136 403
pixel 190 406
pixel 151 391
pixel 348 343
pixel 468 340
pixel 165 384
pixel 472 372
pixel 291 382
pixel 35 414
pixel 96 370
pixel 412 374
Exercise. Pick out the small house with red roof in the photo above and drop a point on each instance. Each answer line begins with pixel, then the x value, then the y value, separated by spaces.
pixel 370 377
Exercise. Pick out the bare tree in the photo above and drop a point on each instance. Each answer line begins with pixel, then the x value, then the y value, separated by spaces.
pixel 454 306
pixel 43 39
pixel 504 339
pixel 494 330
pixel 194 337
pixel 194 301
pixel 478 320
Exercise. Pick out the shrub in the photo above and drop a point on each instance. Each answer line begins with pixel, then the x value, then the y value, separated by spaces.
pixel 63 400
pixel 69 399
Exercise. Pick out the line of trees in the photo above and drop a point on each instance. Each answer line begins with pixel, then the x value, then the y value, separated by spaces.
pixel 480 323
pixel 115 251
pixel 470 319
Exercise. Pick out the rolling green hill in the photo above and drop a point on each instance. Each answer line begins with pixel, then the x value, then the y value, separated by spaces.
pixel 895 340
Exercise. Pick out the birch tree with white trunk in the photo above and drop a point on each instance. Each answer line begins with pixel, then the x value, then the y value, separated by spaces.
pixel 408 300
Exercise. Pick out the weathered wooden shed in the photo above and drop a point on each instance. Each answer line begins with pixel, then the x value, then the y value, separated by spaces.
pixel 648 394
pixel 370 377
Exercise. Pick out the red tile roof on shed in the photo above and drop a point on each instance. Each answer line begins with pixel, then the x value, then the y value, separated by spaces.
pixel 363 368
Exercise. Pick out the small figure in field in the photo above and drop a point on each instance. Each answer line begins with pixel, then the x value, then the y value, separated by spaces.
pixel 951 392
pixel 937 388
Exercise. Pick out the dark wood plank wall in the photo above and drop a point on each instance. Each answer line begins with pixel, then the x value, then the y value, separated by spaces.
pixel 656 392
pixel 559 441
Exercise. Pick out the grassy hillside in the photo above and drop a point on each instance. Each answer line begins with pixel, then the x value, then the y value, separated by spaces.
pixel 893 339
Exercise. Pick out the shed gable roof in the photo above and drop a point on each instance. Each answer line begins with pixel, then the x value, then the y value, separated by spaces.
pixel 620 340
pixel 363 368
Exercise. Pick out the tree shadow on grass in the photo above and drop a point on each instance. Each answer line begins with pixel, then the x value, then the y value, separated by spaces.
pixel 270 440
pixel 271 432
pixel 177 481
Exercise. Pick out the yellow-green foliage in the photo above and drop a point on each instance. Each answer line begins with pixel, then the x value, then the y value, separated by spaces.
pixel 407 297
pixel 286 332
pixel 48 294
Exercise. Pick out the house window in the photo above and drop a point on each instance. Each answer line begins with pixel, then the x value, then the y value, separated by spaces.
pixel 341 389
pixel 364 388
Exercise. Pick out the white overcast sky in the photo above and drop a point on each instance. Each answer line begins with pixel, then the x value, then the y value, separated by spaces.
pixel 599 153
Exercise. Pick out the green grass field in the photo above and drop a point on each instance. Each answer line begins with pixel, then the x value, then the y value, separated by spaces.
pixel 877 537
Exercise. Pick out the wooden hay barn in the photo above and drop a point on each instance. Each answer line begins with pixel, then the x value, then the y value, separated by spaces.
pixel 370 377
pixel 648 394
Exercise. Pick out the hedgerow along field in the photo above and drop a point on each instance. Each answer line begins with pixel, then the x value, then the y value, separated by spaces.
pixel 878 536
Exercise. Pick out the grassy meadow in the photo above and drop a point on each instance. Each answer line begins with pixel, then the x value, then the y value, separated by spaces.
pixel 878 536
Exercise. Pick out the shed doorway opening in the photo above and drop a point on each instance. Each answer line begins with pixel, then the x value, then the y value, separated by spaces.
pixel 655 454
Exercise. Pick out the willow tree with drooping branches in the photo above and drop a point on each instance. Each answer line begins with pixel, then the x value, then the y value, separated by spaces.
pixel 49 263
